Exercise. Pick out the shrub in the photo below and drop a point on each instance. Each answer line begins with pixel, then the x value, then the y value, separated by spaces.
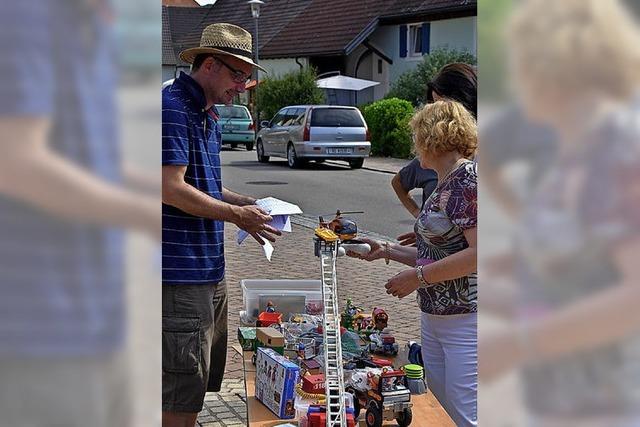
pixel 388 125
pixel 412 85
pixel 298 87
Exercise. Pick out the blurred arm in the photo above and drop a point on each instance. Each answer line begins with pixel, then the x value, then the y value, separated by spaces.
pixel 30 171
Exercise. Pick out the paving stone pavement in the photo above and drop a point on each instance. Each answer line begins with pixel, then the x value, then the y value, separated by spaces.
pixel 293 258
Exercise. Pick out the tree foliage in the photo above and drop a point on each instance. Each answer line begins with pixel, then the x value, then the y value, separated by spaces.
pixel 412 85
pixel 388 122
pixel 298 87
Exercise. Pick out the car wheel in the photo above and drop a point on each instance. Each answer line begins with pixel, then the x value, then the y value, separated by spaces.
pixel 356 163
pixel 248 145
pixel 405 418
pixel 260 152
pixel 234 145
pixel 373 416
pixel 292 159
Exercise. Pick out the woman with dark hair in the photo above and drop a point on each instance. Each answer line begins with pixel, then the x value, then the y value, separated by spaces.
pixel 457 82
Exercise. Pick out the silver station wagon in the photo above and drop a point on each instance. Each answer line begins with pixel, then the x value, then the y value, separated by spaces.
pixel 315 132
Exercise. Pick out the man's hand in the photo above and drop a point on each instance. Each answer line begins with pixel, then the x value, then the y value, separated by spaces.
pixel 253 220
pixel 376 252
pixel 407 239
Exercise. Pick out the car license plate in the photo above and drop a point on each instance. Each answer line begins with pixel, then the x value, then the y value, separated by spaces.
pixel 230 128
pixel 339 150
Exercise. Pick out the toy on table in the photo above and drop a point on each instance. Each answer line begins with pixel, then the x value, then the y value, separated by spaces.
pixel 380 318
pixel 268 338
pixel 270 307
pixel 350 312
pixel 276 379
pixel 270 316
pixel 383 343
pixel 317 416
pixel 387 398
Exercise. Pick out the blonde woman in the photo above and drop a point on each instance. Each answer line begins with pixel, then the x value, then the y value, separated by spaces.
pixel 444 261
pixel 574 338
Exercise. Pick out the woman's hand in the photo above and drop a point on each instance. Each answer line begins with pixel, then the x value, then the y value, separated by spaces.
pixel 376 252
pixel 403 283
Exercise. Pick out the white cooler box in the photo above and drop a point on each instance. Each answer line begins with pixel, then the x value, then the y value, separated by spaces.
pixel 288 297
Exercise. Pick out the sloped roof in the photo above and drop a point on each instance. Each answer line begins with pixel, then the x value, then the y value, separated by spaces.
pixel 334 24
pixel 180 3
pixel 168 56
pixel 290 28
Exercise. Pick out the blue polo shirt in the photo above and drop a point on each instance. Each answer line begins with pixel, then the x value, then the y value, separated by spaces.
pixel 61 280
pixel 192 247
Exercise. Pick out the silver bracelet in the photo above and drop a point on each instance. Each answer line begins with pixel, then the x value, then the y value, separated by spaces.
pixel 423 283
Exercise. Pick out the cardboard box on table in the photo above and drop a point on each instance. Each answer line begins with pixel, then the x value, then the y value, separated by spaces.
pixel 270 337
pixel 247 337
pixel 276 378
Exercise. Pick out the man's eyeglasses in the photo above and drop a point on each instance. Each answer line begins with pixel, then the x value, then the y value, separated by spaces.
pixel 236 75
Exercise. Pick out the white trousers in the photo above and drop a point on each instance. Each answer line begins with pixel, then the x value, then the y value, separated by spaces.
pixel 450 354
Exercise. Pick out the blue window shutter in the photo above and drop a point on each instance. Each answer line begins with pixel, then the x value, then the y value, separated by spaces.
pixel 426 36
pixel 403 41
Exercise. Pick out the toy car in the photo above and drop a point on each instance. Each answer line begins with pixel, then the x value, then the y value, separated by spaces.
pixel 388 398
pixel 383 343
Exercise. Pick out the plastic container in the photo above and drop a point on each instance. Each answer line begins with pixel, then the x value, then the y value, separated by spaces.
pixel 288 297
pixel 302 407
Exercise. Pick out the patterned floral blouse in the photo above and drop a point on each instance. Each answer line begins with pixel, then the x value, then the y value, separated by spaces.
pixel 451 209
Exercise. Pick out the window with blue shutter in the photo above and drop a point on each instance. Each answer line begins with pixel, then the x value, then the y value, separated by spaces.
pixel 426 37
pixel 403 41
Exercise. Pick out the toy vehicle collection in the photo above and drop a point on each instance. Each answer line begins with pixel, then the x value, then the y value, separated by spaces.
pixel 388 398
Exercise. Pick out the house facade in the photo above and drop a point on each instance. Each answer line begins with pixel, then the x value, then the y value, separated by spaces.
pixel 372 39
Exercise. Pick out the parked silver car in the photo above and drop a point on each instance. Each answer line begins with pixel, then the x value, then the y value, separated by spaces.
pixel 315 132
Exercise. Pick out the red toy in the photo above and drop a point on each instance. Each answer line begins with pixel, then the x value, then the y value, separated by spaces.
pixel 313 384
pixel 317 417
pixel 267 319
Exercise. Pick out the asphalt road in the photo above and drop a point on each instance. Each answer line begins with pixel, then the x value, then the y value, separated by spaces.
pixel 320 189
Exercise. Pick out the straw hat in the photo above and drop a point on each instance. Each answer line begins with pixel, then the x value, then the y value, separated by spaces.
pixel 223 39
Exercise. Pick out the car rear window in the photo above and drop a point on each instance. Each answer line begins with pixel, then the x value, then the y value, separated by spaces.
pixel 233 112
pixel 334 117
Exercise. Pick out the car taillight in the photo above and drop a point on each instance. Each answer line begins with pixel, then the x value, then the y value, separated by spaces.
pixel 251 126
pixel 306 133
pixel 368 135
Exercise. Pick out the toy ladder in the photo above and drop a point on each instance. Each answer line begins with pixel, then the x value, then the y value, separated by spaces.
pixel 334 376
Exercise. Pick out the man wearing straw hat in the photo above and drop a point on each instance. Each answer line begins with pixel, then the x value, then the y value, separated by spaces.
pixel 195 207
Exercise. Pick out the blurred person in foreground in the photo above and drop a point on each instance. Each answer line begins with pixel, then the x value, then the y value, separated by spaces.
pixel 444 261
pixel 195 207
pixel 63 203
pixel 456 82
pixel 576 336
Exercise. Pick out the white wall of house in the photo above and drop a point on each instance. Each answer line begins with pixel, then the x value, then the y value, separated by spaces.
pixel 369 70
pixel 459 33
pixel 280 66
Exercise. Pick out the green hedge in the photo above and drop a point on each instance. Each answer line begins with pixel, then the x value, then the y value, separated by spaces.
pixel 388 121
pixel 412 85
pixel 295 88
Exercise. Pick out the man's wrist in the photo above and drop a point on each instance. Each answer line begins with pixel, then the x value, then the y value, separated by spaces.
pixel 235 214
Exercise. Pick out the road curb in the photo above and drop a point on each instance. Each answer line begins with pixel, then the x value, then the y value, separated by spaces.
pixel 335 163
